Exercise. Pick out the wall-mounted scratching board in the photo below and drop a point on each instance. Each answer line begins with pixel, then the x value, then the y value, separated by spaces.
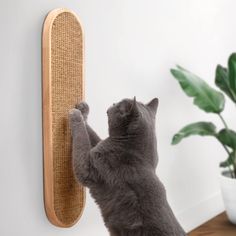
pixel 63 87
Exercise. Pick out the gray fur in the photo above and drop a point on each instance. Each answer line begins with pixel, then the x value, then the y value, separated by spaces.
pixel 120 170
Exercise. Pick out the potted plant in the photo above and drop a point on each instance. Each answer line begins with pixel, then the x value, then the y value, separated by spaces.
pixel 212 101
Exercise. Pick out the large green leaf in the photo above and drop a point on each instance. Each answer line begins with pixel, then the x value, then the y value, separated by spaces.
pixel 198 128
pixel 228 138
pixel 231 160
pixel 232 72
pixel 222 81
pixel 205 97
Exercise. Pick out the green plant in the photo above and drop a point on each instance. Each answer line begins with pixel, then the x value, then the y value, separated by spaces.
pixel 212 101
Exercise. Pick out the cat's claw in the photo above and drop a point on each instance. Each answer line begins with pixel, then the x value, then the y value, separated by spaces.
pixel 84 108
pixel 75 116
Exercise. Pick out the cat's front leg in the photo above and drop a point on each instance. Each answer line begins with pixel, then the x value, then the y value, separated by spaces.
pixel 84 108
pixel 80 146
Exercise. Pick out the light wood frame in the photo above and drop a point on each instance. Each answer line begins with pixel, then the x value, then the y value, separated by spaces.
pixel 47 120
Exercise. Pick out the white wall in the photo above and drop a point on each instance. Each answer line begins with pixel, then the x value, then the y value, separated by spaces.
pixel 130 47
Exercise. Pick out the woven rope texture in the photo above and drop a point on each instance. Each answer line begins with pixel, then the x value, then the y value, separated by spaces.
pixel 66 90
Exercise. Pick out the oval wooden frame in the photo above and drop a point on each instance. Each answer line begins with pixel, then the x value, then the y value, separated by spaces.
pixel 47 118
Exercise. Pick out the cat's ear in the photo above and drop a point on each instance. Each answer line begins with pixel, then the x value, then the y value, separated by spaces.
pixel 134 107
pixel 153 104
pixel 128 108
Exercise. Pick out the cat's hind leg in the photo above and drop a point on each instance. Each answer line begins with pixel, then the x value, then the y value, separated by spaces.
pixel 114 232
pixel 133 232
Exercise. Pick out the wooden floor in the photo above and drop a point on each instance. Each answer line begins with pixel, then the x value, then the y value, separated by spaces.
pixel 219 226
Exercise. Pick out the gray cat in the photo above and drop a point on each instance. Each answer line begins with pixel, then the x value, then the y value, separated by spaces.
pixel 120 170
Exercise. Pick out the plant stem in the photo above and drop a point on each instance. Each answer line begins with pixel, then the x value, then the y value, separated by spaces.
pixel 223 120
pixel 226 149
pixel 232 172
pixel 234 165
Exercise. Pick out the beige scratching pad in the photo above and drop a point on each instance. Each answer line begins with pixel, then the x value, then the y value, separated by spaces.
pixel 63 87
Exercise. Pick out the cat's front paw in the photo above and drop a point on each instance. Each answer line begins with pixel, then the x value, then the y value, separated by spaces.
pixel 75 116
pixel 84 108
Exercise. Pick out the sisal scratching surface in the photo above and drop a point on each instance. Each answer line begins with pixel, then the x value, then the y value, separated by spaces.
pixel 66 89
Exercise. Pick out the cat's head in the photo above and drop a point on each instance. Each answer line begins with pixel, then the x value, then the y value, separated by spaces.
pixel 129 117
